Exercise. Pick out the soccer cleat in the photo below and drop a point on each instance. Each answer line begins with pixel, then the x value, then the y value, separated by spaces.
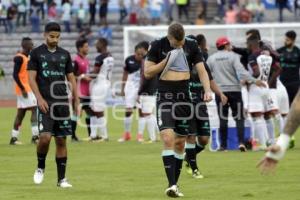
pixel 242 148
pixel 222 149
pixel 139 137
pixel 292 143
pixel 188 168
pixel 38 176
pixel 95 139
pixel 104 140
pixel 172 191
pixel 15 141
pixel 180 194
pixel 75 139
pixel 197 174
pixel 34 139
pixel 126 137
pixel 64 184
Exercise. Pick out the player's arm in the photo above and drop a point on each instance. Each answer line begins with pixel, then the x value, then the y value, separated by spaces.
pixel 124 80
pixel 32 69
pixel 276 70
pixel 152 64
pixel 240 51
pixel 72 81
pixel 18 60
pixel 77 74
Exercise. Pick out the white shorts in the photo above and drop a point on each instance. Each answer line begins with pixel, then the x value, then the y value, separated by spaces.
pixel 260 100
pixel 245 96
pixel 131 94
pixel 282 98
pixel 99 91
pixel 147 104
pixel 28 102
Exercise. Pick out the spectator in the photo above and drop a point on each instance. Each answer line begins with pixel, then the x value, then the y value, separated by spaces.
pixel 200 20
pixel 40 5
pixel 81 15
pixel 92 8
pixel 221 10
pixel 230 16
pixel 87 33
pixel 156 11
pixel 142 12
pixel 103 11
pixel 133 12
pixel 52 13
pixel 11 18
pixel 34 20
pixel 244 16
pixel 296 7
pixel 183 8
pixel 257 8
pixel 282 4
pixel 3 17
pixel 106 32
pixel 22 7
pixel 66 15
pixel 169 9
pixel 204 6
pixel 123 11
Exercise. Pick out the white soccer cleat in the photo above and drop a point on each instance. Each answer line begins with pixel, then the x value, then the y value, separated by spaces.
pixel 197 174
pixel 38 176
pixel 64 183
pixel 172 191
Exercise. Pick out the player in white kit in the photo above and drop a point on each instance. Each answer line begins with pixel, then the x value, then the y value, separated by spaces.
pixel 99 89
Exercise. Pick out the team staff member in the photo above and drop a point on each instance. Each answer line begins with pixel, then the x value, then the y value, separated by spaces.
pixel 49 67
pixel 227 70
pixel 171 58
pixel 290 64
pixel 25 97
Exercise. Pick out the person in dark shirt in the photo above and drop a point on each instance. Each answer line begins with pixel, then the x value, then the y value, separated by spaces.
pixel 290 63
pixel 129 89
pixel 25 97
pixel 50 67
pixel 172 58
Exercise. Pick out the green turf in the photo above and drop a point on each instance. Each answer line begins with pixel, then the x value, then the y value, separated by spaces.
pixel 132 171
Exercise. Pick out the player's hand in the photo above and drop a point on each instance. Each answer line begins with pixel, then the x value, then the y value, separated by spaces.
pixel 224 99
pixel 260 83
pixel 43 105
pixel 268 165
pixel 24 94
pixel 207 97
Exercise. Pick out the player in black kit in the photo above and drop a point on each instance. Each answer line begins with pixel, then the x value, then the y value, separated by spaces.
pixel 50 66
pixel 172 58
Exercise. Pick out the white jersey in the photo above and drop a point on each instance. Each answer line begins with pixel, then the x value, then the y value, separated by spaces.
pixel 106 68
pixel 264 63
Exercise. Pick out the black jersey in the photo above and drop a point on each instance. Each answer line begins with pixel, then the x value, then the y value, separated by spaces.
pixel 160 48
pixel 52 68
pixel 132 65
pixel 290 63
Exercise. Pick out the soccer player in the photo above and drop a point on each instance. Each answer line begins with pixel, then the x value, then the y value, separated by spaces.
pixel 261 105
pixel 99 89
pixel 147 101
pixel 276 152
pixel 49 67
pixel 290 63
pixel 25 97
pixel 81 71
pixel 130 87
pixel 171 58
pixel 199 133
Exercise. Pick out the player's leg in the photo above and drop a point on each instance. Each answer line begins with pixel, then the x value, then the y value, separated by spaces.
pixel 223 116
pixel 141 126
pixel 148 104
pixel 34 126
pixel 16 127
pixel 190 153
pixel 293 119
pixel 102 125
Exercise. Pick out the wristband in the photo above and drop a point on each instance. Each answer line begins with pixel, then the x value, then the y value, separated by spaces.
pixel 283 142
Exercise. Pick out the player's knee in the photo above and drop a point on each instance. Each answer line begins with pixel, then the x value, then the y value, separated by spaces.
pixel 168 138
pixel 44 139
pixel 60 142
pixel 191 139
pixel 180 143
pixel 203 140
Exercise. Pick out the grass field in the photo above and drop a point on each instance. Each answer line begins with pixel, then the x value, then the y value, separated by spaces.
pixel 132 171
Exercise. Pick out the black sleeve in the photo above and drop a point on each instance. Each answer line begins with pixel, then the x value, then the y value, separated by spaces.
pixel 76 68
pixel 153 53
pixel 18 60
pixel 252 61
pixel 69 65
pixel 241 51
pixel 33 63
pixel 197 56
pixel 98 61
pixel 208 71
pixel 126 67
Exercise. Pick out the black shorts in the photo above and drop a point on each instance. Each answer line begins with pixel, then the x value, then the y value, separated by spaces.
pixel 174 106
pixel 85 103
pixel 56 121
pixel 200 125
